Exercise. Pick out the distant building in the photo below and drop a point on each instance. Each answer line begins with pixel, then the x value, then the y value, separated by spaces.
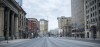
pixel 78 20
pixel 64 24
pixel 33 26
pixel 19 2
pixel 26 29
pixel 54 32
pixel 43 26
pixel 22 24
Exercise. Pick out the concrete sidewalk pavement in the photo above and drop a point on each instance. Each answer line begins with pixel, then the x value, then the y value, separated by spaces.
pixel 12 41
pixel 79 38
pixel 82 39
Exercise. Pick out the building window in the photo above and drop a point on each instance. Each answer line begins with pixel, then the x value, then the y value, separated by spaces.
pixel 86 7
pixel 95 19
pixel 91 15
pixel 95 1
pixel 86 1
pixel 87 22
pixel 86 12
pixel 90 3
pixel 99 4
pixel 91 9
pixel 99 11
pixel 87 27
pixel 95 7
pixel 99 18
pixel 95 13
pixel 91 20
pixel 87 17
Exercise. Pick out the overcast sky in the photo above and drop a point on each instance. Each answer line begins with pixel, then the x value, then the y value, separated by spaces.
pixel 47 9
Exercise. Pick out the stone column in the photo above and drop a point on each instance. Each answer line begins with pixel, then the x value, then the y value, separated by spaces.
pixel 12 26
pixel 16 27
pixel 7 14
pixel 1 22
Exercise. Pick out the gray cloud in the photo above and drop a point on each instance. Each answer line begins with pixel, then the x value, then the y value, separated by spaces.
pixel 47 8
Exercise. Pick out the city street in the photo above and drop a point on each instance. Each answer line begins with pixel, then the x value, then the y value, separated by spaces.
pixel 51 42
pixel 49 23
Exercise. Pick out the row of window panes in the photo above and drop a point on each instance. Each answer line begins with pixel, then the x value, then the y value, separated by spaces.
pixel 91 3
pixel 92 15
pixel 93 8
pixel 87 6
pixel 87 1
pixel 94 20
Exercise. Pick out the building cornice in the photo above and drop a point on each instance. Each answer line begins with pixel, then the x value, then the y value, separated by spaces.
pixel 13 5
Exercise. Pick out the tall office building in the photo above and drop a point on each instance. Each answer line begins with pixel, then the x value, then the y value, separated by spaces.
pixel 43 27
pixel 19 2
pixel 77 9
pixel 92 18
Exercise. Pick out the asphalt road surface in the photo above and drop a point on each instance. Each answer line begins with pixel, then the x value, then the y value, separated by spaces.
pixel 52 42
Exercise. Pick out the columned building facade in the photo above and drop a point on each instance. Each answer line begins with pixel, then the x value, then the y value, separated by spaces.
pixel 92 18
pixel 9 12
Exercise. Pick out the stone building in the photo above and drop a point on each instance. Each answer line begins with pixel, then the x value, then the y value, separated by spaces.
pixel 64 23
pixel 33 26
pixel 92 18
pixel 9 15
pixel 22 24
pixel 26 29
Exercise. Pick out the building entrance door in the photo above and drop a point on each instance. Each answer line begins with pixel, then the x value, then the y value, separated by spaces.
pixel 87 34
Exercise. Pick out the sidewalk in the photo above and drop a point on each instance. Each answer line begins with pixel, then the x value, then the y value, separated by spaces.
pixel 83 39
pixel 12 41
pixel 79 38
